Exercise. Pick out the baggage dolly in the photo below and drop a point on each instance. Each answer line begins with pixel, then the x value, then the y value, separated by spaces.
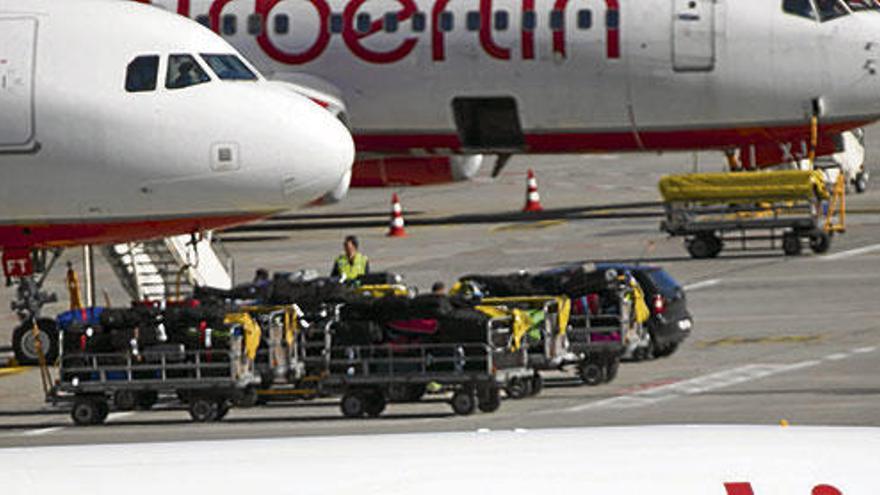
pixel 209 381
pixel 785 208
pixel 366 375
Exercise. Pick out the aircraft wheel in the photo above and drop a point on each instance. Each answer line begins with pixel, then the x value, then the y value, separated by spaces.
pixel 24 344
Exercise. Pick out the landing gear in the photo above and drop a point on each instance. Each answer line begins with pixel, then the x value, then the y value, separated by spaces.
pixel 861 182
pixel 28 304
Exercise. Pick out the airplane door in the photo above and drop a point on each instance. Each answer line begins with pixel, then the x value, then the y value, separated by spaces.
pixel 693 35
pixel 17 42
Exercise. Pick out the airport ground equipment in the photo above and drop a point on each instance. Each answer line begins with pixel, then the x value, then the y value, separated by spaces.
pixel 208 380
pixel 167 269
pixel 782 207
pixel 366 376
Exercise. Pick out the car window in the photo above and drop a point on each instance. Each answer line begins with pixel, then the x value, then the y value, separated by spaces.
pixel 830 9
pixel 184 71
pixel 667 285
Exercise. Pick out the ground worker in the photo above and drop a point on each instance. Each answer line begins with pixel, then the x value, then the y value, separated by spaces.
pixel 351 265
pixel 438 289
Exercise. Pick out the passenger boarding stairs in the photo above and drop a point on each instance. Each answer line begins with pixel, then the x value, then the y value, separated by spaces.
pixel 165 269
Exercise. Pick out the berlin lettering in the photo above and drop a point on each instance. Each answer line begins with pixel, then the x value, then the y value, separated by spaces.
pixel 355 40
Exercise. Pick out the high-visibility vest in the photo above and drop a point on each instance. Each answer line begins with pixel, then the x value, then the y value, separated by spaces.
pixel 352 270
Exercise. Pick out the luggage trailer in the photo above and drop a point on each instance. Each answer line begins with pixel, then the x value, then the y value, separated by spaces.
pixel 785 219
pixel 208 381
pixel 368 377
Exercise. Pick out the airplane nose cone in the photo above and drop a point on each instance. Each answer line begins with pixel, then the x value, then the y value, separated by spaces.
pixel 322 150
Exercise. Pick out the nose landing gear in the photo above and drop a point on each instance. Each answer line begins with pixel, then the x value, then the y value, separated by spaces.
pixel 35 336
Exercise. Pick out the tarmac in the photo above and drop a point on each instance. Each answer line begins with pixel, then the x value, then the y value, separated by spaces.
pixel 775 338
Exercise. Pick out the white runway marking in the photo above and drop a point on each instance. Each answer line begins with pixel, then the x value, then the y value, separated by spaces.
pixel 852 252
pixel 702 285
pixel 707 383
pixel 863 350
pixel 837 357
pixel 42 431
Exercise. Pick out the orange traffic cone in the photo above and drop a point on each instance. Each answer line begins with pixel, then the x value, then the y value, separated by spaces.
pixel 397 229
pixel 533 199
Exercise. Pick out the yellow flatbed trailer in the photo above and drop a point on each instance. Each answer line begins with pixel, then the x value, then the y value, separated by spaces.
pixel 713 210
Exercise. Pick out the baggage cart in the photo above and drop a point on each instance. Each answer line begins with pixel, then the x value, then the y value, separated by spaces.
pixel 712 211
pixel 209 381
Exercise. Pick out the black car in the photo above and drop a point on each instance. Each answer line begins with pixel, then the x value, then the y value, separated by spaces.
pixel 670 322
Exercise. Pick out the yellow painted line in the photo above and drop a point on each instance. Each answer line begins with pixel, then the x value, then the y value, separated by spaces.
pixel 13 370
pixel 779 339
pixel 543 224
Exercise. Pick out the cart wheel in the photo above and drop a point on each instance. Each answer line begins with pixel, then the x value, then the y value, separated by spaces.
pixel 861 182
pixel 820 241
pixel 464 402
pixel 490 399
pixel 700 247
pixel 375 404
pixel 124 400
pixel 203 410
pixel 518 387
pixel 223 408
pixel 249 398
pixel 353 405
pixel 592 374
pixel 537 384
pixel 716 246
pixel 146 400
pixel 791 244
pixel 611 370
pixel 88 411
pixel 103 411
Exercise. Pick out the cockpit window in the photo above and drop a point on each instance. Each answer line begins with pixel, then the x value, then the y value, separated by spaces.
pixel 229 68
pixel 142 74
pixel 184 71
pixel 802 8
pixel 830 9
pixel 859 5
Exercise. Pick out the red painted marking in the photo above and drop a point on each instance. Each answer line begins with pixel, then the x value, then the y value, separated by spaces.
pixel 826 490
pixel 17 263
pixel 73 234
pixel 612 34
pixel 397 171
pixel 353 38
pixel 528 36
pixel 438 37
pixel 486 40
pixel 597 142
pixel 264 7
pixel 739 488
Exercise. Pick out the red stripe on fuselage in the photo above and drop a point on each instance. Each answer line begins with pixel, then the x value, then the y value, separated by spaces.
pixel 624 140
pixel 66 233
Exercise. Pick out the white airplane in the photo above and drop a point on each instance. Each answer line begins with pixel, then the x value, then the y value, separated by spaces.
pixel 674 460
pixel 451 77
pixel 120 122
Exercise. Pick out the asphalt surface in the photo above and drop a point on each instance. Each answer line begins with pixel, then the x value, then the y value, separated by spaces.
pixel 775 337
